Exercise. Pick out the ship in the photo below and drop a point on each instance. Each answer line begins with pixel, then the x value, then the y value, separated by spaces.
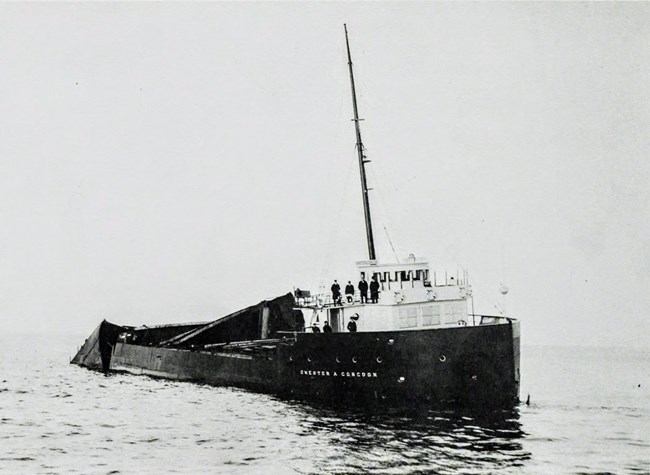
pixel 413 340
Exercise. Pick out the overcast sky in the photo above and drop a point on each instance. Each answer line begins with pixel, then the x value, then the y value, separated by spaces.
pixel 173 162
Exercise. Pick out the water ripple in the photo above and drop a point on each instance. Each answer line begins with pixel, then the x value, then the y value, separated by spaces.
pixel 60 419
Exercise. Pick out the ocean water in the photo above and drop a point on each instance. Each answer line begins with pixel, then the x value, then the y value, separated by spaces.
pixel 589 413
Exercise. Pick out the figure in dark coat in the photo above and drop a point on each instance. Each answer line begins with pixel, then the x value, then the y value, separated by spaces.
pixel 349 292
pixel 352 326
pixel 336 293
pixel 374 290
pixel 327 328
pixel 363 290
pixel 349 289
pixel 315 329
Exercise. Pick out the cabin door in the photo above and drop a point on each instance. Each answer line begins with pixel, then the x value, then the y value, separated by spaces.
pixel 335 323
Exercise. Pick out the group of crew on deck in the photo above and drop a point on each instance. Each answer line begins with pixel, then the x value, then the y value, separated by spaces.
pixel 352 325
pixel 337 299
pixel 363 291
pixel 326 328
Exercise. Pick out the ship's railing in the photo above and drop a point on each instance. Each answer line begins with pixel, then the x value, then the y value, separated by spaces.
pixel 450 279
pixel 305 299
pixel 489 319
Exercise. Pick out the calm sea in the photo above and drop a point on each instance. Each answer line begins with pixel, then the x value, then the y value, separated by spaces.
pixel 589 413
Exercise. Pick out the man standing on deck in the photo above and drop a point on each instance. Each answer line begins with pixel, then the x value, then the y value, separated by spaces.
pixel 336 293
pixel 352 325
pixel 363 290
pixel 374 290
pixel 349 292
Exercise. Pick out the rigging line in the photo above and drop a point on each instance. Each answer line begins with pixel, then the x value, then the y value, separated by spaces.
pixel 389 183
pixel 391 244
pixel 504 277
pixel 386 180
pixel 334 236
pixel 383 208
pixel 488 298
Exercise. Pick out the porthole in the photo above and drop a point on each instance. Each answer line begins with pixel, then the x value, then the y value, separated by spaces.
pixel 290 358
pixel 401 379
pixel 354 359
pixel 309 359
pixel 338 360
pixel 379 360
pixel 442 358
pixel 391 341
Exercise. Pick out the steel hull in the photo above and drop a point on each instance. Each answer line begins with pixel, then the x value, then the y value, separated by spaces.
pixel 468 366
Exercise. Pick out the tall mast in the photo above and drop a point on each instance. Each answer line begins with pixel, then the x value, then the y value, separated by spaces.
pixel 362 157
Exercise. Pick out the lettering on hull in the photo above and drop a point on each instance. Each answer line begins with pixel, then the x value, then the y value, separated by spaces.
pixel 339 374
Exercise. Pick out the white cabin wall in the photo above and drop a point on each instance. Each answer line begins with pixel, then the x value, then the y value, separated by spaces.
pixel 427 314
pixel 372 317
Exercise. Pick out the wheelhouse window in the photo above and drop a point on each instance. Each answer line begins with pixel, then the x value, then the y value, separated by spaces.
pixel 417 274
pixel 406 275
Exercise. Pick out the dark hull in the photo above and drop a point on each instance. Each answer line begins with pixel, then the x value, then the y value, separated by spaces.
pixel 97 350
pixel 474 366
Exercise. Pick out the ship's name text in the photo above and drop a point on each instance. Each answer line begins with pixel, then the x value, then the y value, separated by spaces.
pixel 339 374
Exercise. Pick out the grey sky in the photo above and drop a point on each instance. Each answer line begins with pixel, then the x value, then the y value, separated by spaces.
pixel 169 162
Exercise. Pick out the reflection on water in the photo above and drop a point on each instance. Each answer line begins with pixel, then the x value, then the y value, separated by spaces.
pixel 418 440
